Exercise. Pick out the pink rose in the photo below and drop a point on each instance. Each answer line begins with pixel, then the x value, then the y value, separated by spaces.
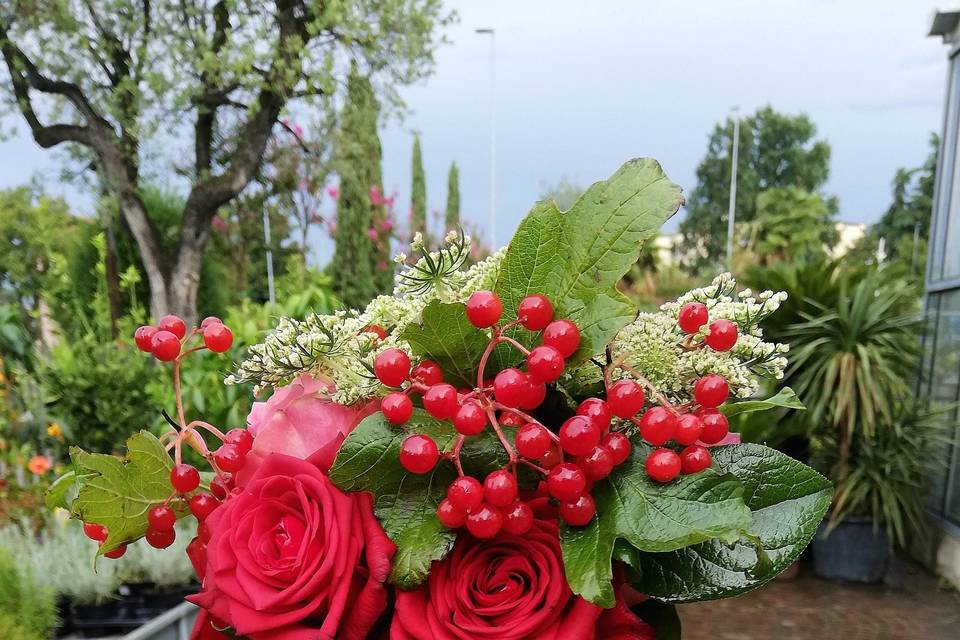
pixel 300 420
pixel 291 557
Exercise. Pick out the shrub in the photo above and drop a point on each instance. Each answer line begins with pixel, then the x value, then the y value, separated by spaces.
pixel 27 606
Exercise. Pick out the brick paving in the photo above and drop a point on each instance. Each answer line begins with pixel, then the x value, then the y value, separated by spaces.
pixel 912 605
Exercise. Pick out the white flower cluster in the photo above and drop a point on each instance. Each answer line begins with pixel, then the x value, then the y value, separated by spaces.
pixel 655 347
pixel 337 346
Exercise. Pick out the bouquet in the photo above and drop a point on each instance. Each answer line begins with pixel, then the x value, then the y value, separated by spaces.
pixel 505 450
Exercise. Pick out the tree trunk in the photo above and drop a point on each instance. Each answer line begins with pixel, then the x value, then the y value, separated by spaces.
pixel 184 281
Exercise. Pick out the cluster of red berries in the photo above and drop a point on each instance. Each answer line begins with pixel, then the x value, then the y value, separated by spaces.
pixel 165 341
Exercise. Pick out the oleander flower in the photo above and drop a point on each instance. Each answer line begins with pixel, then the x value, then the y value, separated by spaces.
pixel 39 465
pixel 291 557
pixel 507 588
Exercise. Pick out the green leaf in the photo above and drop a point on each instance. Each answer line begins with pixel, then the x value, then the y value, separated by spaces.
pixel 788 501
pixel 577 257
pixel 785 399
pixel 446 336
pixel 63 491
pixel 649 517
pixel 406 503
pixel 118 492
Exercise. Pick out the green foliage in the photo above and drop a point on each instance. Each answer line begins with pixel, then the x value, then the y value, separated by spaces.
pixel 446 336
pixel 357 160
pixel 784 399
pixel 28 609
pixel 791 224
pixel 888 471
pixel 649 516
pixel 776 150
pixel 418 192
pixel 405 503
pixel 452 215
pixel 15 340
pixel 577 257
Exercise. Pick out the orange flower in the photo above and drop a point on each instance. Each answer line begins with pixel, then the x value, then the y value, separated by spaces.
pixel 39 465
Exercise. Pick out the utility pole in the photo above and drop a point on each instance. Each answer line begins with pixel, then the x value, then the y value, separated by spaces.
pixel 266 240
pixel 731 209
pixel 493 136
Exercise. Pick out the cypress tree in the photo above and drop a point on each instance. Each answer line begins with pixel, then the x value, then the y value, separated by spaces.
pixel 452 218
pixel 357 161
pixel 418 192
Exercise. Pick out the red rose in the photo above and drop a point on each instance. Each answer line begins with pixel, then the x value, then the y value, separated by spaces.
pixel 507 588
pixel 291 557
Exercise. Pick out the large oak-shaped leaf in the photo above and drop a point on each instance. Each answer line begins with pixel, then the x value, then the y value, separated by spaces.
pixel 788 501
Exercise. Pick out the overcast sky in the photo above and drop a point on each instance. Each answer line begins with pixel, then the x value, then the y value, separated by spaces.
pixel 583 86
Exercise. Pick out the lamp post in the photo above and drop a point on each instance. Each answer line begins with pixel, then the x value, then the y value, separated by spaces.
pixel 266 240
pixel 731 209
pixel 493 136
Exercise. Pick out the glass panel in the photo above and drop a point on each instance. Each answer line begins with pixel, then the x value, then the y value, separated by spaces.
pixel 946 177
pixel 945 383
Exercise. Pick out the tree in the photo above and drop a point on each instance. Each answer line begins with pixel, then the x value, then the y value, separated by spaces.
pixel 108 77
pixel 790 224
pixel 452 214
pixel 357 160
pixel 776 150
pixel 418 192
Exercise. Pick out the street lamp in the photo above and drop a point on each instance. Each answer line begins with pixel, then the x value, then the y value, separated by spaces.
pixel 731 209
pixel 493 137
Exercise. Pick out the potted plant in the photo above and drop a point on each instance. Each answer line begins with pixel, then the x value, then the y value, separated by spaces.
pixel 880 499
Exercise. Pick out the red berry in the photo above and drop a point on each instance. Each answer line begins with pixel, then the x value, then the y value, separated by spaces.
pixel 566 482
pixel 711 391
pixel 165 346
pixel 715 426
pixel 470 418
pixel 509 419
pixel 484 309
pixel 689 428
pixel 517 518
pixel 202 505
pixel 693 315
pixel 160 539
pixel 376 330
pixel 579 435
pixel 535 312
pixel 532 440
pixel 485 522
pixel 419 454
pixel 427 372
pixel 161 518
pixel 210 320
pixel 579 512
pixel 143 336
pixel 396 407
pixel 536 393
pixel 184 478
pixel 551 458
pixel 241 439
pixel 203 532
pixel 618 445
pixel 173 324
pixel 392 367
pixel 217 337
pixel 657 426
pixel 95 531
pixel 441 401
pixel 228 458
pixel 500 488
pixel 116 553
pixel 663 465
pixel 694 459
pixel 625 398
pixel 562 335
pixel 545 363
pixel 597 410
pixel 511 387
pixel 450 516
pixel 722 335
pixel 597 464
pixel 466 494
pixel 220 486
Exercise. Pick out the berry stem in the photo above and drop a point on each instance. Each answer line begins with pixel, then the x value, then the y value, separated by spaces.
pixel 209 427
pixel 662 399
pixel 527 417
pixel 533 466
pixel 503 439
pixel 455 454
pixel 177 394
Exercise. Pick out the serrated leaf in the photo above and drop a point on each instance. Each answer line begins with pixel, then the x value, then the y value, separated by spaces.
pixel 445 335
pixel 786 398
pixel 649 517
pixel 63 491
pixel 577 257
pixel 118 492
pixel 788 501
pixel 406 503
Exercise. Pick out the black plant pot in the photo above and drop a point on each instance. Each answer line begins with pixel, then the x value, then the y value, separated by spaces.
pixel 854 551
